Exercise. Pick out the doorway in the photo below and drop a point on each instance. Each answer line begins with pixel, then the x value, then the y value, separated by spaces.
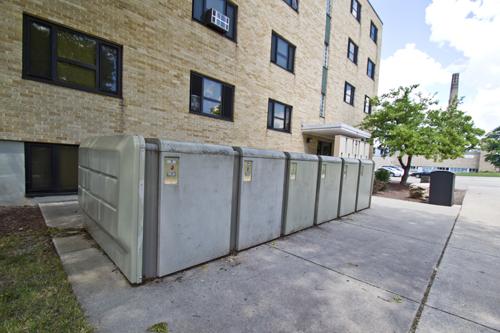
pixel 324 148
pixel 51 169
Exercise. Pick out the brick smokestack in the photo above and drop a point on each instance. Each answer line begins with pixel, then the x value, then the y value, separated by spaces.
pixel 454 88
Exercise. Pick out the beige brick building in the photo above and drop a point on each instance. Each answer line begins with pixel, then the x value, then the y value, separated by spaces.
pixel 139 80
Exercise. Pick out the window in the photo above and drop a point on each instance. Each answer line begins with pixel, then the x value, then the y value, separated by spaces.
pixel 51 168
pixel 279 116
pixel 58 55
pixel 211 97
pixel 349 91
pixel 368 105
pixel 356 9
pixel 282 53
pixel 352 51
pixel 225 7
pixel 370 69
pixel 373 32
pixel 293 3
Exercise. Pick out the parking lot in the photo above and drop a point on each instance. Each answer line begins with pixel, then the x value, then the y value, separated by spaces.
pixel 372 271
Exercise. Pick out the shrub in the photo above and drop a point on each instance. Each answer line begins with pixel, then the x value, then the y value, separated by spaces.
pixel 382 175
pixel 379 186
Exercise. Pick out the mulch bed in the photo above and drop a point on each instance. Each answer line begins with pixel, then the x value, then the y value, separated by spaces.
pixel 401 192
pixel 398 191
pixel 17 219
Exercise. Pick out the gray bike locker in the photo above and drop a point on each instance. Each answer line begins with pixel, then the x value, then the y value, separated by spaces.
pixel 260 196
pixel 195 203
pixel 111 197
pixel 365 186
pixel 348 194
pixel 329 183
pixel 300 192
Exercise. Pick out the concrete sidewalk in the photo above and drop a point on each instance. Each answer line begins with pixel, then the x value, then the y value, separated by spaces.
pixel 365 273
pixel 465 296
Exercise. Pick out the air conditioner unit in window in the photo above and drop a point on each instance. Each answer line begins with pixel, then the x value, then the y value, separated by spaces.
pixel 217 20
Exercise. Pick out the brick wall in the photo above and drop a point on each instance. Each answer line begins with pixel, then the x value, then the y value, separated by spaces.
pixel 345 26
pixel 161 45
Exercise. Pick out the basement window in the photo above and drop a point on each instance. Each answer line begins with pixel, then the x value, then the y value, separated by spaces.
pixel 62 56
pixel 50 169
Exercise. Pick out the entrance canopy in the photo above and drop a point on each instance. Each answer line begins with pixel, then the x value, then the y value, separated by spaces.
pixel 334 129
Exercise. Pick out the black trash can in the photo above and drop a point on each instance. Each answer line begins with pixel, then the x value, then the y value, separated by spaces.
pixel 442 188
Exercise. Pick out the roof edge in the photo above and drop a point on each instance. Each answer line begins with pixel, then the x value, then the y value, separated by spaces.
pixel 375 11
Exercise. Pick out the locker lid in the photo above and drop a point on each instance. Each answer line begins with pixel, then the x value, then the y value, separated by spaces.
pixel 260 153
pixel 366 162
pixel 351 161
pixel 301 157
pixel 191 147
pixel 330 159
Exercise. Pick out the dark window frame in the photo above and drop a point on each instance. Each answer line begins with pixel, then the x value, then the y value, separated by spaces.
pixel 228 85
pixel 292 49
pixel 373 32
pixel 288 110
pixel 352 95
pixel 356 51
pixel 55 186
pixel 203 23
pixel 357 14
pixel 369 102
pixel 52 79
pixel 371 74
pixel 290 3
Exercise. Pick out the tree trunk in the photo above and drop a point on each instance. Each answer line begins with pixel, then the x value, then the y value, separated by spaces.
pixel 406 167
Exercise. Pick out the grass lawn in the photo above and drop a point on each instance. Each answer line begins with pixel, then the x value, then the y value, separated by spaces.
pixel 479 174
pixel 35 295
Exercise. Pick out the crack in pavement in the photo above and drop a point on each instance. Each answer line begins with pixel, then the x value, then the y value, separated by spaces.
pixel 420 310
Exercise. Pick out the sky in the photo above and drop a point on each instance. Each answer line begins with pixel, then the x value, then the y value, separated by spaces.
pixel 426 41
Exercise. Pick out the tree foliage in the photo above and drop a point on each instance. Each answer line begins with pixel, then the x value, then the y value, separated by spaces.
pixel 406 124
pixel 491 144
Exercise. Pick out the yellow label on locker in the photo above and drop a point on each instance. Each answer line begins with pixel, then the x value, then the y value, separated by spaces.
pixel 293 170
pixel 247 171
pixel 323 171
pixel 171 170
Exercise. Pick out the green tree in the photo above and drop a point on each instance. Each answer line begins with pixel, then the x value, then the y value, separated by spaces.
pixel 407 124
pixel 491 144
